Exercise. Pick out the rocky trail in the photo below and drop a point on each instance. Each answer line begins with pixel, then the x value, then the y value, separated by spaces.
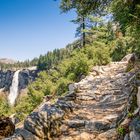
pixel 92 110
pixel 101 103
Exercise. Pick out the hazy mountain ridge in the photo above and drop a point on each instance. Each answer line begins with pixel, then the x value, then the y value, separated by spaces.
pixel 7 61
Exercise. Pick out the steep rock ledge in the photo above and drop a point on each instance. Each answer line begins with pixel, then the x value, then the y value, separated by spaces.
pixel 94 108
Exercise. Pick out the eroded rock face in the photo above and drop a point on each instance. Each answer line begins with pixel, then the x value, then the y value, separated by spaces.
pixel 93 111
pixel 25 77
pixel 6 79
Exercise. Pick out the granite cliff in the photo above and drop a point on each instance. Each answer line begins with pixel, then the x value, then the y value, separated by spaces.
pixel 24 77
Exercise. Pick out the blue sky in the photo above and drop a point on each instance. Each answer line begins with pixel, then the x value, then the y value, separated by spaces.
pixel 29 28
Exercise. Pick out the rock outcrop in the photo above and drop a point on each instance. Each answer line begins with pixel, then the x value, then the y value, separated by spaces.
pixel 92 110
pixel 25 77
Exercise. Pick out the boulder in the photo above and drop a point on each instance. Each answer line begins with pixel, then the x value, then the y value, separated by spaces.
pixel 129 58
pixel 71 87
pixel 7 128
pixel 45 121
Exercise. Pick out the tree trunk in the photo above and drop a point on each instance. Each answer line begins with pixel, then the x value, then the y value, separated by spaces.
pixel 83 34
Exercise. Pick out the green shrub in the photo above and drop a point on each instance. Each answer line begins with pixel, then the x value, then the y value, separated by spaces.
pixel 121 131
pixel 4 106
pixel 24 107
pixel 62 85
pixel 130 115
